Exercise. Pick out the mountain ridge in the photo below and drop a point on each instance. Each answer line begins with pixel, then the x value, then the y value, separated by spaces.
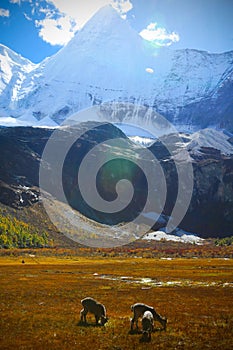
pixel 209 213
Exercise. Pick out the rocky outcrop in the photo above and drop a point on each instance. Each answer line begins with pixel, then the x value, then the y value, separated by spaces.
pixel 18 196
pixel 211 208
pixel 210 211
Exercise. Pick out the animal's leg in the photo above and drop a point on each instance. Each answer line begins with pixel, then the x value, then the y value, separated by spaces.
pixel 83 314
pixel 132 323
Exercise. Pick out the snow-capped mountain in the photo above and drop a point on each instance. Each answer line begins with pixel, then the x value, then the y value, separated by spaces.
pixel 13 71
pixel 99 64
pixel 108 61
pixel 194 143
pixel 209 139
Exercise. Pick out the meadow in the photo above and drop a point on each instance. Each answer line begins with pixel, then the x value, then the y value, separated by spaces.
pixel 40 301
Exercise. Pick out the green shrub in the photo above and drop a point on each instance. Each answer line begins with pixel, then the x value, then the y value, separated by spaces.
pixel 17 234
pixel 227 241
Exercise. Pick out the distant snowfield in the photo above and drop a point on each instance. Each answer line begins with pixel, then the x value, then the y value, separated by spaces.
pixel 9 121
pixel 144 141
pixel 133 130
pixel 178 236
pixel 27 121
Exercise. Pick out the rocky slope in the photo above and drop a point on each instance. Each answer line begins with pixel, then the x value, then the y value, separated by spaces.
pixel 211 208
pixel 209 213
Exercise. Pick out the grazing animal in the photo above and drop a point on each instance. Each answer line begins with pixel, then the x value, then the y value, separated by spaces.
pixel 138 311
pixel 92 306
pixel 147 325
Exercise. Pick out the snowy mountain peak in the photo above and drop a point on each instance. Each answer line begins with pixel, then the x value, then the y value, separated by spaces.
pixel 105 57
pixel 106 18
pixel 106 32
pixel 105 14
pixel 13 56
pixel 209 138
pixel 13 71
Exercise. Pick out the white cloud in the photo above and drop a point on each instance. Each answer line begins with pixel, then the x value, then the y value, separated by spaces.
pixel 4 13
pixel 150 70
pixel 122 6
pixel 56 31
pixel 159 35
pixel 59 27
pixel 82 11
pixel 64 18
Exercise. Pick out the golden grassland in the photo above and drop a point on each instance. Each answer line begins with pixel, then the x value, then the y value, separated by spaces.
pixel 40 301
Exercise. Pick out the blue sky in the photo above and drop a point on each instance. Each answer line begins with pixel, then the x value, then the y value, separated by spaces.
pixel 39 28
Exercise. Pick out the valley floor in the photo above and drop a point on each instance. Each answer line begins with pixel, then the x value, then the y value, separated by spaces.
pixel 40 302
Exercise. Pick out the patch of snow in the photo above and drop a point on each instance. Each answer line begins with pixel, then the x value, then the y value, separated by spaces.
pixel 144 141
pixel 9 121
pixel 27 120
pixel 178 236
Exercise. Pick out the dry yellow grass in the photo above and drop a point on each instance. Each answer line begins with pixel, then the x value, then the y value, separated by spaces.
pixel 40 302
